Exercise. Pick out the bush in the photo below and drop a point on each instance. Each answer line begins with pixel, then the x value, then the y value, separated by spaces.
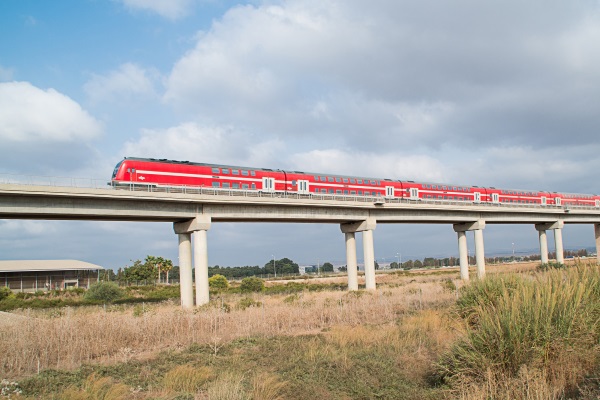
pixel 104 291
pixel 252 284
pixel 247 302
pixel 547 328
pixel 5 293
pixel 218 282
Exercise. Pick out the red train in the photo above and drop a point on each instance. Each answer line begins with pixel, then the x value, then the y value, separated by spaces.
pixel 169 173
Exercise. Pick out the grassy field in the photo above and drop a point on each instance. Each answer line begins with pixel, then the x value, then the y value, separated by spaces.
pixel 531 335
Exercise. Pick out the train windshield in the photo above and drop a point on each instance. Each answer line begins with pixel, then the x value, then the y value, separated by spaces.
pixel 116 169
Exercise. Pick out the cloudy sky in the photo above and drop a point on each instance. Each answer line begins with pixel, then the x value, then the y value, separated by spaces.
pixel 503 94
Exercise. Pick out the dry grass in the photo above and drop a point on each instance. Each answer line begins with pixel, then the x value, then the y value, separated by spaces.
pixel 67 339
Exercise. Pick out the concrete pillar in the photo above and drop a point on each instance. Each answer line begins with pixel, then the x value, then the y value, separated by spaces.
pixel 201 266
pixel 543 246
pixel 463 255
pixel 463 252
pixel 558 242
pixel 185 270
pixel 351 261
pixel 369 255
pixel 597 231
pixel 200 225
pixel 350 228
pixel 479 253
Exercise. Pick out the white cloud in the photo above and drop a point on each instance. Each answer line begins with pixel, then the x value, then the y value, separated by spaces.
pixel 378 165
pixel 396 73
pixel 6 74
pixel 29 114
pixel 127 82
pixel 171 9
pixel 194 142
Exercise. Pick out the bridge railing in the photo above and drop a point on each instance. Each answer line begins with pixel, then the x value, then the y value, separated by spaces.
pixel 57 181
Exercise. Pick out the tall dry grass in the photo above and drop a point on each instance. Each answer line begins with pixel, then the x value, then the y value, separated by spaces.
pixel 527 338
pixel 78 336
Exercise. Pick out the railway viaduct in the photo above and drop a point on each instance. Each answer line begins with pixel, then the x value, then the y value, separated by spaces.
pixel 194 210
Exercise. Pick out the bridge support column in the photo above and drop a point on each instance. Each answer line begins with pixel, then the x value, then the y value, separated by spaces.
pixel 199 227
pixel 201 266
pixel 185 271
pixel 463 251
pixel 479 253
pixel 351 266
pixel 558 243
pixel 557 227
pixel 597 232
pixel 366 227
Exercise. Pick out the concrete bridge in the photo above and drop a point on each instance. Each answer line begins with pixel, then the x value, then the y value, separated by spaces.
pixel 193 210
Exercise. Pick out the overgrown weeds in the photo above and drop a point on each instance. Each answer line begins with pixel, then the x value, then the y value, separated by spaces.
pixel 522 332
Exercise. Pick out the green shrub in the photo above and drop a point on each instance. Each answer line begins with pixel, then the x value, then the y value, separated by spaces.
pixel 551 265
pixel 252 284
pixel 218 282
pixel 5 293
pixel 104 291
pixel 247 302
pixel 548 327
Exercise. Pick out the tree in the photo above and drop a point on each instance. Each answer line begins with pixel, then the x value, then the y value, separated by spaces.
pixel 417 264
pixel 327 267
pixel 376 265
pixel 393 265
pixel 160 264
pixel 285 266
pixel 343 268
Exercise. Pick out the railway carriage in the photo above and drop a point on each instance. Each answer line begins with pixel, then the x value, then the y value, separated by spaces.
pixel 169 173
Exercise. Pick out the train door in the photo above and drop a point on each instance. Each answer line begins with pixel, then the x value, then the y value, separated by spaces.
pixel 477 198
pixel 303 187
pixel 495 198
pixel 597 203
pixel 389 191
pixel 544 200
pixel 558 201
pixel 268 184
pixel 414 193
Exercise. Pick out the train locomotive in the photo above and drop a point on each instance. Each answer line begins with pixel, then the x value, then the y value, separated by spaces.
pixel 163 173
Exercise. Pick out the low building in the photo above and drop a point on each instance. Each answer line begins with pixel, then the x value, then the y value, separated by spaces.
pixel 34 275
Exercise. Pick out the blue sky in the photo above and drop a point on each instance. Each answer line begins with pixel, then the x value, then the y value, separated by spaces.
pixel 464 92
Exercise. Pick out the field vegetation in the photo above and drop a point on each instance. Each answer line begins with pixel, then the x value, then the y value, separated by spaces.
pixel 532 335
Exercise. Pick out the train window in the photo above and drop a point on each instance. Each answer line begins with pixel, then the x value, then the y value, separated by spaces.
pixel 330 191
pixel 216 171
pixel 353 192
pixel 316 190
pixel 359 181
pixel 378 183
pixel 360 192
pixel 225 185
pixel 338 191
pixel 294 183
pixel 244 186
pixel 454 188
pixel 244 172
pixel 352 180
pixel 345 180
pixel 226 170
pixel 235 185
pixel 345 192
pixel 323 179
pixel 252 173
pixel 329 179
pixel 323 190
pixel 254 186
pixel 338 180
pixel 216 184
pixel 316 178
pixel 235 172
